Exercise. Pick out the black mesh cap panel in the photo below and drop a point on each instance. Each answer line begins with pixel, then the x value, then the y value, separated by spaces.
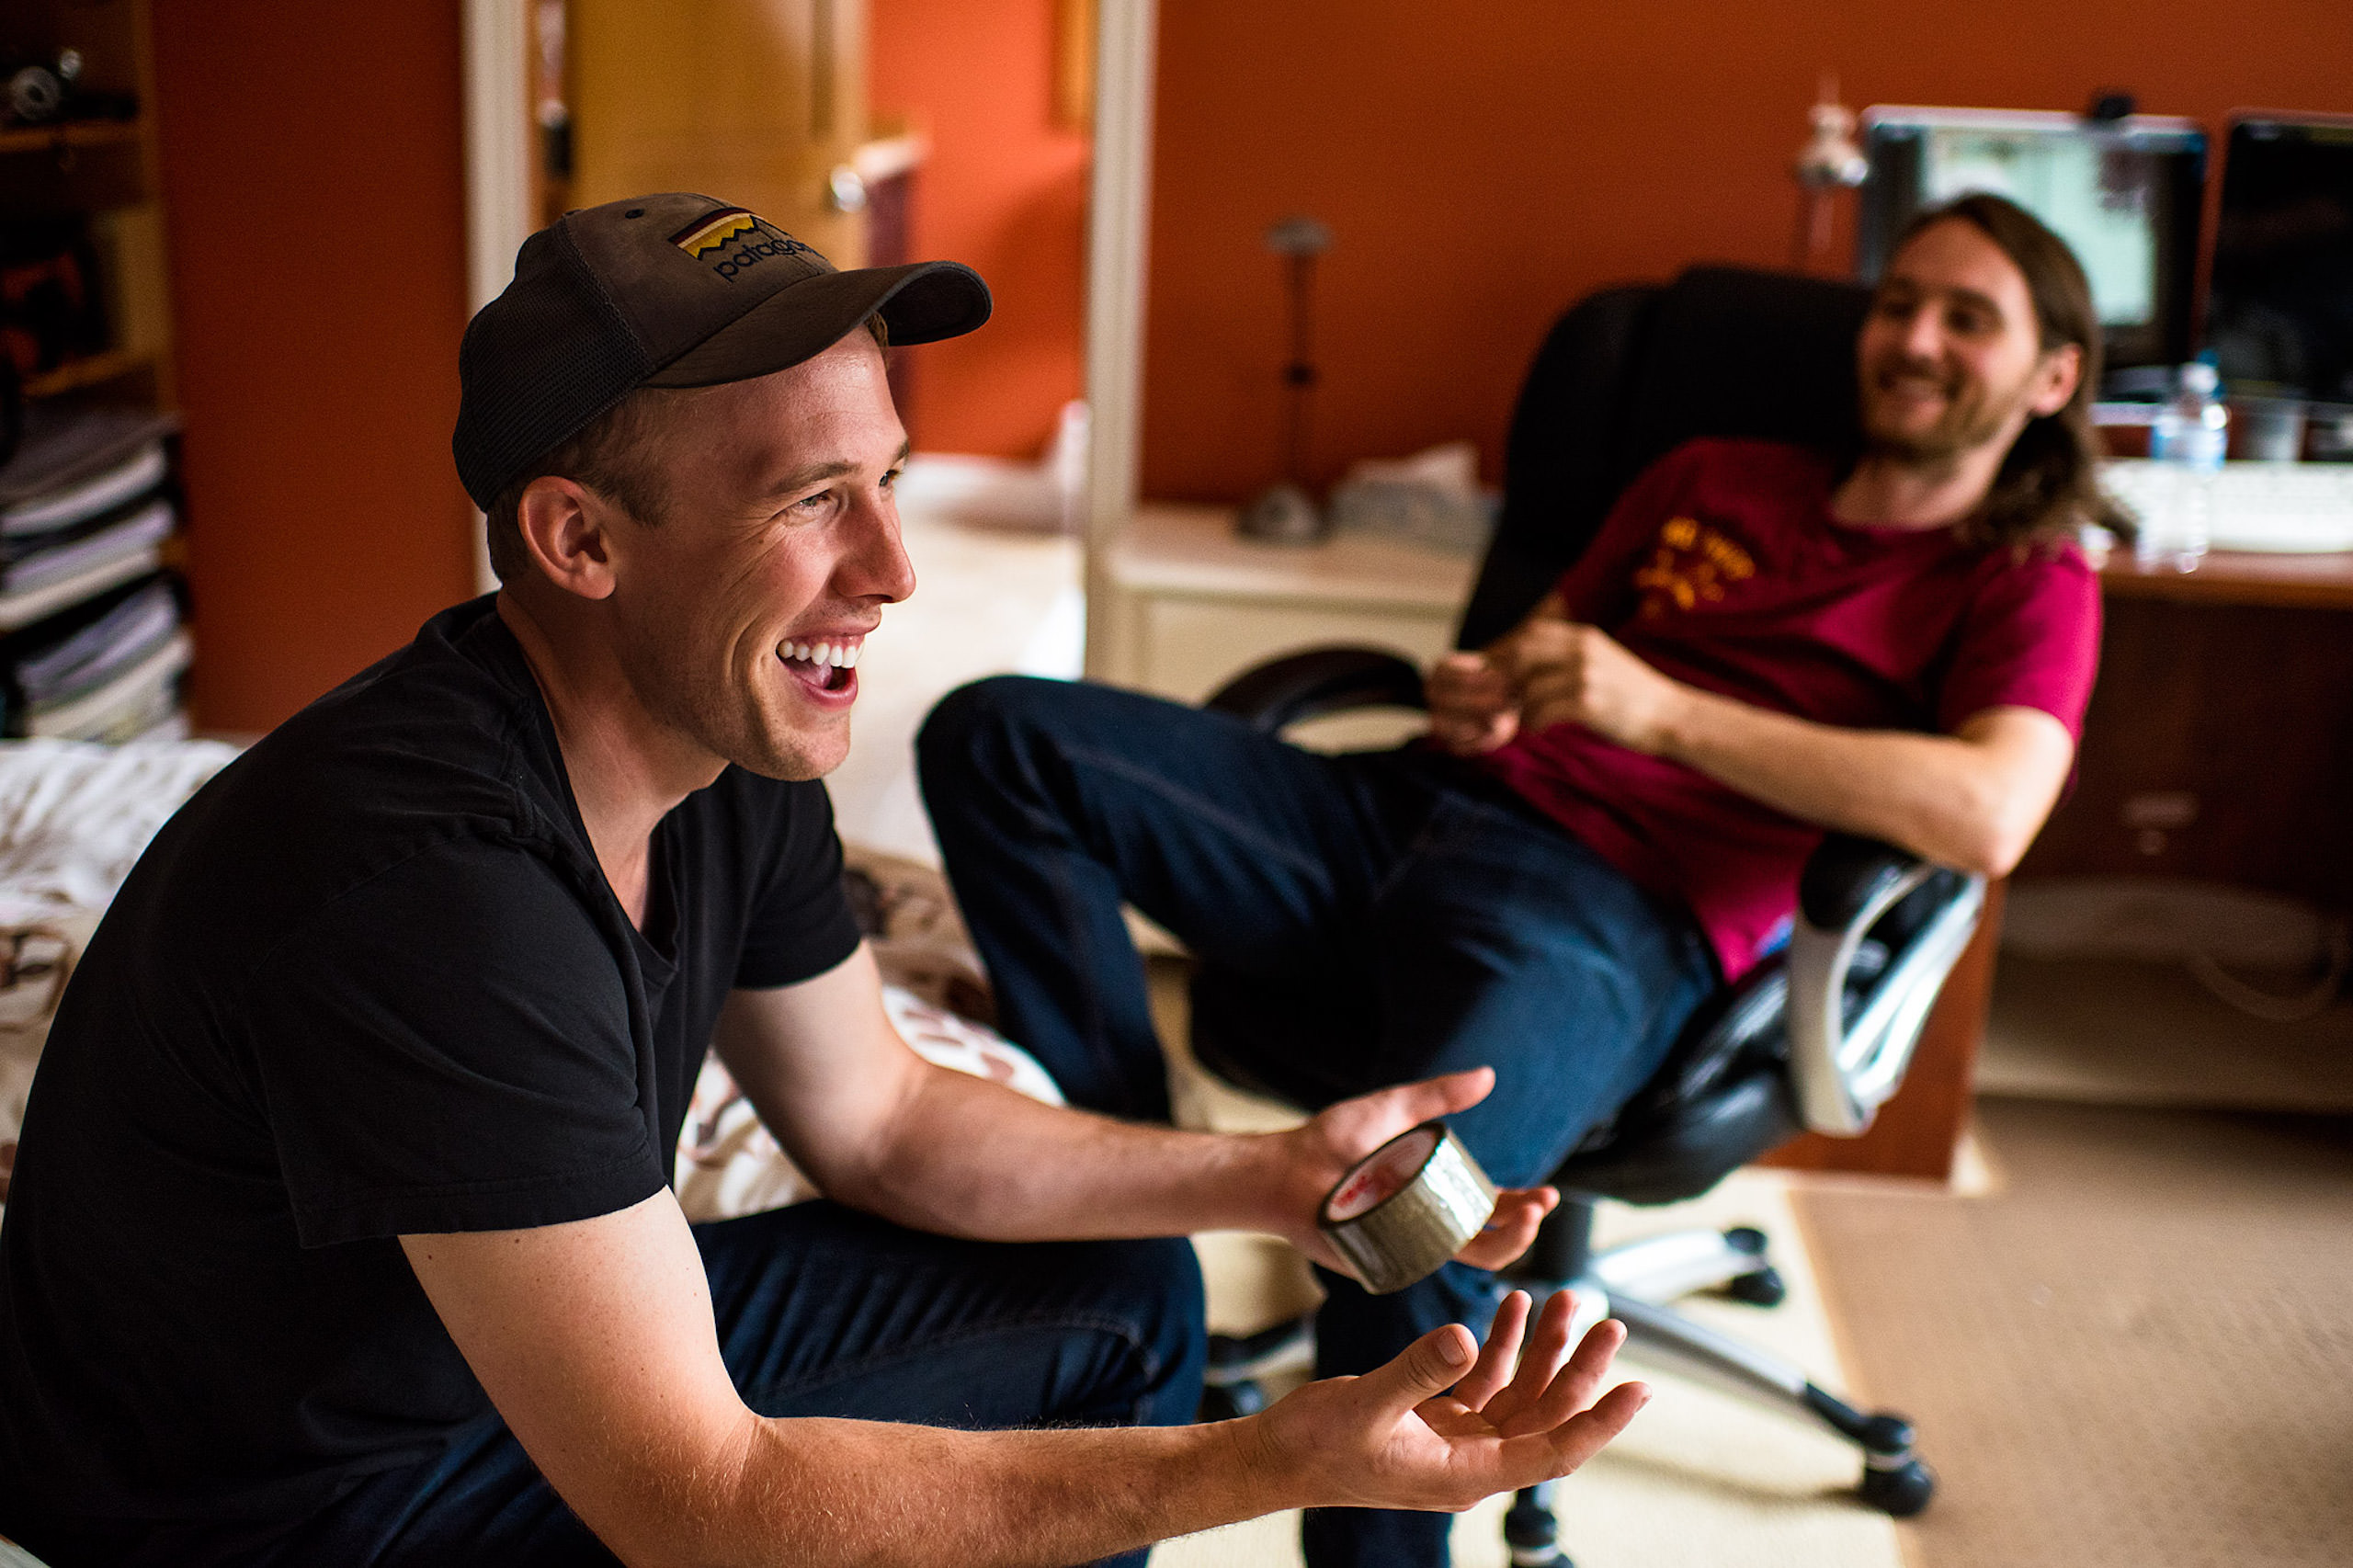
pixel 537 365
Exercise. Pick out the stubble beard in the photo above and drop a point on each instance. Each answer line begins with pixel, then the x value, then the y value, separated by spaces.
pixel 728 718
pixel 1967 424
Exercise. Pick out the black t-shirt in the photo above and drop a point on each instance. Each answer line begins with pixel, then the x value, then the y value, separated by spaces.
pixel 371 981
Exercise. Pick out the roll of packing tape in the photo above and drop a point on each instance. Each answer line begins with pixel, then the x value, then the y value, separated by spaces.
pixel 1407 1207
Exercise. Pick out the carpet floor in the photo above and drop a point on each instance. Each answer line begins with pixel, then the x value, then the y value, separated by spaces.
pixel 2137 1351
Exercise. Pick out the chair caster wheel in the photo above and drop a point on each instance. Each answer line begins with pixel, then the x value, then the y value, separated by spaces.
pixel 1760 1288
pixel 1531 1538
pixel 1225 1401
pixel 1900 1490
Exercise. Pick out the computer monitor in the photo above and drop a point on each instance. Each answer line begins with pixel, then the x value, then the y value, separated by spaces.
pixel 2124 193
pixel 2279 311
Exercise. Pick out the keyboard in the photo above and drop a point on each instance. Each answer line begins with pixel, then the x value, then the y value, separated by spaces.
pixel 2296 508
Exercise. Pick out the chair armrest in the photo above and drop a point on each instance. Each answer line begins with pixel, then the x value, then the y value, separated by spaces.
pixel 1285 691
pixel 1848 1045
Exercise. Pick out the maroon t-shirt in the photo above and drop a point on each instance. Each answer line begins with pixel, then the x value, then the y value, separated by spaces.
pixel 1722 567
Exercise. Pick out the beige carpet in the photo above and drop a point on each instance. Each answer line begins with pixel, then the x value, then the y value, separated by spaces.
pixel 2138 1353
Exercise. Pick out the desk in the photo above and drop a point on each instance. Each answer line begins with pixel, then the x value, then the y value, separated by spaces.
pixel 2219 743
pixel 2228 577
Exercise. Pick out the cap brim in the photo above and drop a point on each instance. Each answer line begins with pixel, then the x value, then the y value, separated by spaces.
pixel 921 301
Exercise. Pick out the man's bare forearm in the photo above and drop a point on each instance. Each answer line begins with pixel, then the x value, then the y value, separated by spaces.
pixel 969 1157
pixel 814 1494
pixel 1960 801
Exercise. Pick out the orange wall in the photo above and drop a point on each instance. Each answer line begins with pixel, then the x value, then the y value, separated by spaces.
pixel 1005 192
pixel 314 198
pixel 1484 165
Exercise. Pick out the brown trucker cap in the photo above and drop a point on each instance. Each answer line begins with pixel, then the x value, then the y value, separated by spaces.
pixel 673 291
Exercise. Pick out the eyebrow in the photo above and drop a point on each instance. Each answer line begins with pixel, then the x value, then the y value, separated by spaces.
pixel 802 478
pixel 1966 296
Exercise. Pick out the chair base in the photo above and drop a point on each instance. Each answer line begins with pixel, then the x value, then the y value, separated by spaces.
pixel 1633 1283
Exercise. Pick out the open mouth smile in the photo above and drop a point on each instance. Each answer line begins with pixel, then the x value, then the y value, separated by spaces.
pixel 824 667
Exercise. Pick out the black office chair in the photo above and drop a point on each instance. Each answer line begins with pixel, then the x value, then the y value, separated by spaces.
pixel 1817 1037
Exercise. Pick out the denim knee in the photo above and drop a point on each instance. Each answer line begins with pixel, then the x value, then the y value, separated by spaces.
pixel 977 717
pixel 1158 1286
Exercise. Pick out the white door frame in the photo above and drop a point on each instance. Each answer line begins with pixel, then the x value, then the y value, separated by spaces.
pixel 498 168
pixel 1119 221
pixel 499 219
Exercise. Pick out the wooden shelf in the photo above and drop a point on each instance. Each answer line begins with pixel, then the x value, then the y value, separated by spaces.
pixel 89 370
pixel 72 133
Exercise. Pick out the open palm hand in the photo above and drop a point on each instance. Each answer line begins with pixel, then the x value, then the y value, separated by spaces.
pixel 1425 1433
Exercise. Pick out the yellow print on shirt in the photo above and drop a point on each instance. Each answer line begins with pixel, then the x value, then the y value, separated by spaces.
pixel 1691 564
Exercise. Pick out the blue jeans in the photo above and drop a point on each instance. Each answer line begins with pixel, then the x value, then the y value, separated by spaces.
pixel 823 1312
pixel 1362 921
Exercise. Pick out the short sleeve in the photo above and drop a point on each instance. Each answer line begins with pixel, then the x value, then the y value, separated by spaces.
pixel 801 923
pixel 2030 638
pixel 449 1047
pixel 1599 586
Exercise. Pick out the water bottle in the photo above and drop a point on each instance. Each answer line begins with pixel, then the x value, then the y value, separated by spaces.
pixel 2189 438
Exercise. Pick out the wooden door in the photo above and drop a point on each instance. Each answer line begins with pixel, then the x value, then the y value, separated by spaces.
pixel 756 102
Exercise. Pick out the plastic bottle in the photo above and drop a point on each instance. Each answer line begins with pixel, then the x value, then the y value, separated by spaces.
pixel 2190 436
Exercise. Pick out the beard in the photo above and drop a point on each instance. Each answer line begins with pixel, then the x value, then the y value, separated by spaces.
pixel 1975 414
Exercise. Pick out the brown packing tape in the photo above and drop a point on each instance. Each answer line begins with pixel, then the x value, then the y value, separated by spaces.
pixel 1407 1208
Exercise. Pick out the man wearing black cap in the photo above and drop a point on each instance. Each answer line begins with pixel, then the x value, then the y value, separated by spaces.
pixel 340 1230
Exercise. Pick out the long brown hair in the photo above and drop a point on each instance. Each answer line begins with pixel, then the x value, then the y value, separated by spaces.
pixel 2049 481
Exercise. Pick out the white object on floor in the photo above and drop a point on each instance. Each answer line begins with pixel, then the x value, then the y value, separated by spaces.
pixel 1006 493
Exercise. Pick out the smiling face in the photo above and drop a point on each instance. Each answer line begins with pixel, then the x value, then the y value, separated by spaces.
pixel 738 618
pixel 1950 357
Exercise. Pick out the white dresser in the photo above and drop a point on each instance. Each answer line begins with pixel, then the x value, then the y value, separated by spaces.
pixel 1192 605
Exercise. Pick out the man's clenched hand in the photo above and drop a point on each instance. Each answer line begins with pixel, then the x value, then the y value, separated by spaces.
pixel 1550 670
pixel 1567 672
pixel 1434 1430
pixel 1473 706
pixel 1314 1157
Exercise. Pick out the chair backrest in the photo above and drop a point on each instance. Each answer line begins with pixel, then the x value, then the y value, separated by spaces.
pixel 1628 374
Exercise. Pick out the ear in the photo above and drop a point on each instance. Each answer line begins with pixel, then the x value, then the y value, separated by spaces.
pixel 2056 379
pixel 564 526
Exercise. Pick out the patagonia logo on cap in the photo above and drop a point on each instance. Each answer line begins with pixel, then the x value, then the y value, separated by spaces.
pixel 706 234
pixel 714 240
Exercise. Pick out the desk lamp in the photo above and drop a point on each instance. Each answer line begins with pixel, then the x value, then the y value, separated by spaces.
pixel 1830 162
pixel 1283 514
